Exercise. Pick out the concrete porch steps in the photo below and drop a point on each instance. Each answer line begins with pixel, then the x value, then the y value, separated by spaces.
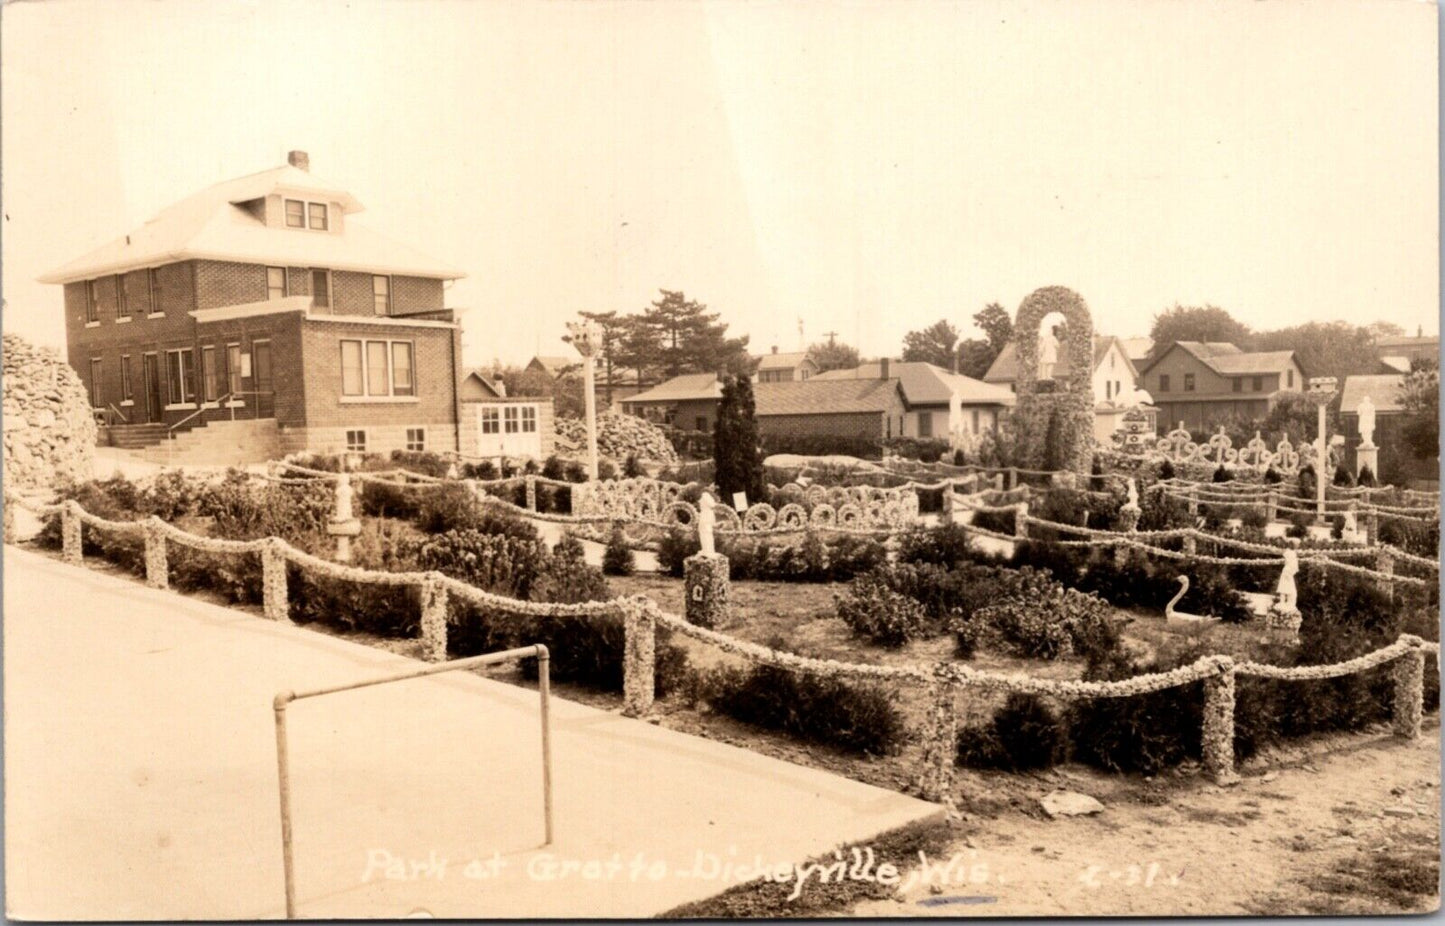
pixel 136 436
pixel 218 443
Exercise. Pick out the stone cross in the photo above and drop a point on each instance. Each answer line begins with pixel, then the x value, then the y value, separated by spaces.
pixel 705 523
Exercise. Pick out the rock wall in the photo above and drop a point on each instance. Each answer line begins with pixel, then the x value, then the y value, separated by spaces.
pixel 49 428
pixel 618 435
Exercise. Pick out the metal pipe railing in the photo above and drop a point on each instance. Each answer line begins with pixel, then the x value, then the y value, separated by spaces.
pixel 283 698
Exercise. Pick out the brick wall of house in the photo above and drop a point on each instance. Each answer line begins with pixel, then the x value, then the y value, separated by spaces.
pixel 220 283
pixel 353 294
pixel 434 370
pixel 283 330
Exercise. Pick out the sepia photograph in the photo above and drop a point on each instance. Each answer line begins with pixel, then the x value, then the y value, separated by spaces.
pixel 720 459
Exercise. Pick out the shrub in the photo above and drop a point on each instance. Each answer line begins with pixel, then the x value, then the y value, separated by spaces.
pixel 1367 476
pixel 632 467
pixel 1221 474
pixel 1049 626
pixel 676 546
pixel 617 559
pixel 497 563
pixel 1025 734
pixel 1166 470
pixel 944 545
pixel 421 461
pixel 172 494
pixel 1273 476
pixel 1343 477
pixel 1000 522
pixel 819 445
pixel 552 468
pixel 875 611
pixel 846 715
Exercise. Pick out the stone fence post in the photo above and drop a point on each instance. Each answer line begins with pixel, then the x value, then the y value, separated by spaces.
pixel 1190 546
pixel 1271 505
pixel 1372 527
pixel 70 533
pixel 1218 733
pixel 940 749
pixel 705 583
pixel 1021 523
pixel 1013 477
pixel 1409 702
pixel 434 600
pixel 9 513
pixel 158 572
pixel 639 657
pixel 275 600
pixel 1385 562
pixel 1193 501
pixel 531 493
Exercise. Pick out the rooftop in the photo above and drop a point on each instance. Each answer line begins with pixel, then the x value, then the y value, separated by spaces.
pixel 824 396
pixel 776 361
pixel 215 225
pixel 927 384
pixel 1384 390
pixel 684 388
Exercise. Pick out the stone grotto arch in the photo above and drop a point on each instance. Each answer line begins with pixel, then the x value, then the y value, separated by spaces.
pixel 1069 412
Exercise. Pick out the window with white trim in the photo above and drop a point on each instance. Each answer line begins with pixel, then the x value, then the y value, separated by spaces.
pixel 356 441
pixel 511 422
pixel 122 298
pixel 95 393
pixel 377 368
pixel 303 214
pixel 180 376
pixel 381 295
pixel 529 419
pixel 275 282
pixel 321 289
pixel 153 290
pixel 233 368
pixel 295 213
pixel 491 420
pixel 317 217
pixel 210 377
pixel 92 302
pixel 416 439
pixel 125 385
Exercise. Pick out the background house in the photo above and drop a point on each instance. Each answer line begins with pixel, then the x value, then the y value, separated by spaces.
pixel 1205 384
pixel 260 299
pixel 687 402
pixel 1114 381
pixel 929 394
pixel 785 368
pixel 1398 353
pixel 863 409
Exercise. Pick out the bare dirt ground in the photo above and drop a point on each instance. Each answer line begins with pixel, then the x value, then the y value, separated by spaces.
pixel 1351 830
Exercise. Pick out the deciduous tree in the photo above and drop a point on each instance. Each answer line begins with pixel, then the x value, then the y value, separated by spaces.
pixel 1196 323
pixel 834 355
pixel 933 344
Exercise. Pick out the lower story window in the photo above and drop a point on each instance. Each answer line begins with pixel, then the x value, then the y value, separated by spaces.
pixel 126 390
pixel 95 394
pixel 210 375
pixel 491 421
pixel 529 419
pixel 356 441
pixel 180 376
pixel 416 439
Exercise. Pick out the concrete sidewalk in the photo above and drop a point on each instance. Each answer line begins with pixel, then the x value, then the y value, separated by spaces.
pixel 141 778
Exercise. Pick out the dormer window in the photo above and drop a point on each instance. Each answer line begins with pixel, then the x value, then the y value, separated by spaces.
pixel 303 214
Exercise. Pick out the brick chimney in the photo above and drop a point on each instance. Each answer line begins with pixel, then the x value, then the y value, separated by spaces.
pixel 299 160
pixel 883 368
pixel 775 348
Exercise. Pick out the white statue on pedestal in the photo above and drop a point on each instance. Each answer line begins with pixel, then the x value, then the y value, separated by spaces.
pixel 1287 593
pixel 1133 501
pixel 343 497
pixel 1367 422
pixel 1351 530
pixel 706 520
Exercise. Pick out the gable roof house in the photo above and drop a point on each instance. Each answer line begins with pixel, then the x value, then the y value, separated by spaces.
pixel 554 366
pixel 1114 381
pixel 261 299
pixel 1204 384
pixel 783 368
pixel 930 393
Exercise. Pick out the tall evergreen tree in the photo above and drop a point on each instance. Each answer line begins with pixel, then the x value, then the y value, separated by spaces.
pixel 735 442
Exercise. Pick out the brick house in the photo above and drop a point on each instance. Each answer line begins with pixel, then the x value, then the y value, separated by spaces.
pixel 1206 384
pixel 687 402
pixel 868 409
pixel 260 300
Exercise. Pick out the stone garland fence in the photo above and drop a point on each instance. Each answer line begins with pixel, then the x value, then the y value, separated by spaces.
pixel 642 618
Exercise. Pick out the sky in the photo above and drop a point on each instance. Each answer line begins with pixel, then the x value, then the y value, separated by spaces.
pixel 863 168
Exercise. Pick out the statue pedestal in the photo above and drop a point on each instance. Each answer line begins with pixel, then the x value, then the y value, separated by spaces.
pixel 1367 456
pixel 343 531
pixel 705 583
pixel 1282 624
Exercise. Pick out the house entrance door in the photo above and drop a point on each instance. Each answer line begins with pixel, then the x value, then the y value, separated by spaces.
pixel 151 383
pixel 262 380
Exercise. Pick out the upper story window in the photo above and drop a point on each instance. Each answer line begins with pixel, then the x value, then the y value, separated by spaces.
pixel 303 214
pixel 275 282
pixel 153 291
pixel 321 289
pixel 122 298
pixel 381 294
pixel 92 302
pixel 1257 384
pixel 1237 383
pixel 1188 382
pixel 1163 382
pixel 1290 375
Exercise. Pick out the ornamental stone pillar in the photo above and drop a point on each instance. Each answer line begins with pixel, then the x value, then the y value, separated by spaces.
pixel 705 582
